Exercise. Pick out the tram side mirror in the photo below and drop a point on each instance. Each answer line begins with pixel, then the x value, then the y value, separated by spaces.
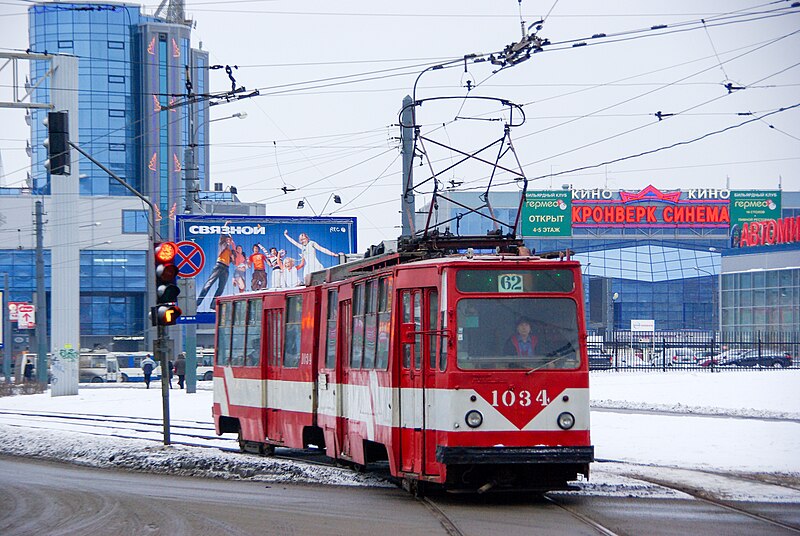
pixel 407 333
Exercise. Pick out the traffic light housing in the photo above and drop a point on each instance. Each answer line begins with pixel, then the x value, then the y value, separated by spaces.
pixel 166 311
pixel 57 143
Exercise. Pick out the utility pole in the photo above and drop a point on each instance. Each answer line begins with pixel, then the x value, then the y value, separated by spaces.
pixel 407 201
pixel 41 302
pixel 160 345
pixel 64 251
pixel 190 191
pixel 6 332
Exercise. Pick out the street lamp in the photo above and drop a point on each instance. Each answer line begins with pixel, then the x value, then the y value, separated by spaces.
pixel 190 158
pixel 302 203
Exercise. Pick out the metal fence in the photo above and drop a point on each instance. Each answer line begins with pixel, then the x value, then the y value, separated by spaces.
pixel 700 350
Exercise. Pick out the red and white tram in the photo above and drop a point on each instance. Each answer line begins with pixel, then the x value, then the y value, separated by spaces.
pixel 423 363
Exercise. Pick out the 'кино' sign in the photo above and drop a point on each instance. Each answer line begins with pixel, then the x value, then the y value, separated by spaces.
pixel 650 207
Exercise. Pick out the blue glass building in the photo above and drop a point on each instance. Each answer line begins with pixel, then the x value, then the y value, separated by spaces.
pixel 132 72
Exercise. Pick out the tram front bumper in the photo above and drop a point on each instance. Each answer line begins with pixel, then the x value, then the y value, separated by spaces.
pixel 514 455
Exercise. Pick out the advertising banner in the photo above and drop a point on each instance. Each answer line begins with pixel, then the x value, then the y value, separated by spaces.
pixel 248 253
pixel 650 208
pixel 546 213
pixel 750 206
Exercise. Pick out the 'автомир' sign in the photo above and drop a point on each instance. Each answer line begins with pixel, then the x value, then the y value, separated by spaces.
pixel 770 232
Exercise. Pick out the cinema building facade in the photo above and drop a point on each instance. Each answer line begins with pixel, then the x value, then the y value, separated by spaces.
pixel 667 256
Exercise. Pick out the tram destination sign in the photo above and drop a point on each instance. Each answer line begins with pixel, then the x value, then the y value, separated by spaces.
pixel 547 213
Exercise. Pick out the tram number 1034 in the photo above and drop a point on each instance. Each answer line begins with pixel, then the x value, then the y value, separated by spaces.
pixel 524 398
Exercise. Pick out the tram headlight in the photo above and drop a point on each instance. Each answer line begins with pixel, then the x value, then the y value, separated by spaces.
pixel 566 420
pixel 473 418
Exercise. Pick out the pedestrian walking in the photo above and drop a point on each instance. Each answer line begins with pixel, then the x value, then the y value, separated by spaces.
pixel 169 372
pixel 180 369
pixel 147 368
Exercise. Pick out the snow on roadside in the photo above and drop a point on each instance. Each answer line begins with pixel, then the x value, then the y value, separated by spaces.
pixel 147 456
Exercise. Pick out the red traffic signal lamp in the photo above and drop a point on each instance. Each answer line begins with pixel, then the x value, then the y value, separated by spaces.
pixel 166 312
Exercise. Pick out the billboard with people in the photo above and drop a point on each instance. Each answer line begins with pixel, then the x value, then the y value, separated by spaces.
pixel 249 253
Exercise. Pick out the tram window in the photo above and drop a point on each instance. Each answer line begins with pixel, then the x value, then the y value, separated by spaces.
pixel 433 316
pixel 443 344
pixel 406 298
pixel 384 322
pixel 333 314
pixel 418 329
pixel 274 336
pixel 253 343
pixel 224 334
pixel 294 313
pixel 239 329
pixel 357 351
pixel 370 325
pixel 517 333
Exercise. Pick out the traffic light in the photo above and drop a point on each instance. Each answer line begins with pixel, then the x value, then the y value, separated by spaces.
pixel 57 143
pixel 166 312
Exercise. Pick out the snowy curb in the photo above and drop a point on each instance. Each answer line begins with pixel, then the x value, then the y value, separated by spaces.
pixel 179 460
pixel 700 411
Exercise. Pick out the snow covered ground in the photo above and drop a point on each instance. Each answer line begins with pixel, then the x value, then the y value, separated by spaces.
pixel 737 422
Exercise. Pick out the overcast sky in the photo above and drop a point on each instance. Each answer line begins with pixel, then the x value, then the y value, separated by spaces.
pixel 332 80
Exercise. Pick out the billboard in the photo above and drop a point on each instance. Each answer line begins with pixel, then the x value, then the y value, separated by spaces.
pixel 750 206
pixel 246 253
pixel 547 213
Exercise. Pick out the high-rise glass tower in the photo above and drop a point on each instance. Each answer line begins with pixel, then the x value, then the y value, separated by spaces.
pixel 133 72
pixel 132 78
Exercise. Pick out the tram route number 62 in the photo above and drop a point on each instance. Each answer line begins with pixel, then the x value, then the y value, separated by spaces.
pixel 509 283
pixel 509 398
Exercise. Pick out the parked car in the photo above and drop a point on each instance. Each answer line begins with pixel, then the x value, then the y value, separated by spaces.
pixel 764 359
pixel 600 360
pixel 675 356
pixel 707 361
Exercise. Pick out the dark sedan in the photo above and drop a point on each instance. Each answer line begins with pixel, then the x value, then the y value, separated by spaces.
pixel 599 360
pixel 762 359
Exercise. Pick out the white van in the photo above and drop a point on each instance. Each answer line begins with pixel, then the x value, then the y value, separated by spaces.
pixel 100 367
pixel 205 364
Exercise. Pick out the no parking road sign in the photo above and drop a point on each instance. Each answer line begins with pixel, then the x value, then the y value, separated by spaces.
pixel 189 259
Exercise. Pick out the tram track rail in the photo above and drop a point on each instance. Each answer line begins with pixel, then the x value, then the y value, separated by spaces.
pixel 706 497
pixel 95 424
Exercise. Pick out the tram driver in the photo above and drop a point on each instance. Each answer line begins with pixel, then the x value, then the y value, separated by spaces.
pixel 522 343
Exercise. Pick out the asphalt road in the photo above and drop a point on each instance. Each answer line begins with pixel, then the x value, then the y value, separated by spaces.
pixel 52 498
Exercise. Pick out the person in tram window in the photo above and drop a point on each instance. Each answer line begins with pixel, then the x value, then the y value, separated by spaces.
pixel 522 343
pixel 259 263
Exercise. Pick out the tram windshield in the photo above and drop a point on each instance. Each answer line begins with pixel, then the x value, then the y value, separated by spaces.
pixel 517 333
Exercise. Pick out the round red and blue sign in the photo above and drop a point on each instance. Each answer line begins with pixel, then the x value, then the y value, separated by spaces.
pixel 189 259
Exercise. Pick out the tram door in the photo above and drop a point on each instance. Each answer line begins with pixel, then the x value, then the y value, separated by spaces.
pixel 273 342
pixel 414 359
